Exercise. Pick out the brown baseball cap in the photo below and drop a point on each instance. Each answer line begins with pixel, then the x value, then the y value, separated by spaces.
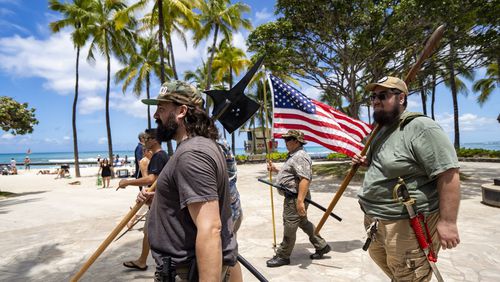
pixel 389 82
pixel 298 135
pixel 178 92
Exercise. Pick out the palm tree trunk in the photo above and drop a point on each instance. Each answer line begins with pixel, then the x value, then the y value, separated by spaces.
pixel 172 58
pixel 75 100
pixel 423 96
pixel 368 108
pixel 433 97
pixel 210 61
pixel 170 148
pixel 108 123
pixel 148 83
pixel 455 98
pixel 352 87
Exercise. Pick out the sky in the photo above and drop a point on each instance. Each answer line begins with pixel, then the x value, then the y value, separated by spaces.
pixel 38 67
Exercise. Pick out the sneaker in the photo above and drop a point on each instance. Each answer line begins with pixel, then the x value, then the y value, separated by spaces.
pixel 319 253
pixel 276 261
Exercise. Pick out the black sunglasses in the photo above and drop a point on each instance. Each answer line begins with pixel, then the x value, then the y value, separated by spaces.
pixel 288 139
pixel 382 95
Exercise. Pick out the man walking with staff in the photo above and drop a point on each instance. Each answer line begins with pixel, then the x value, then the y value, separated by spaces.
pixel 413 150
pixel 296 175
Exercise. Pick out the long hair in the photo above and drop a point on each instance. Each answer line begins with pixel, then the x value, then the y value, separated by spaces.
pixel 198 123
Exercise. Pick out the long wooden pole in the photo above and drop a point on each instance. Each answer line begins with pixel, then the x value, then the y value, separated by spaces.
pixel 429 47
pixel 268 156
pixel 110 238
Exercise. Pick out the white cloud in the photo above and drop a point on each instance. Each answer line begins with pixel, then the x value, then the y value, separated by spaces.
pixel 8 136
pixel 129 103
pixel 263 16
pixel 53 59
pixel 311 92
pixel 185 55
pixel 66 138
pixel 239 41
pixel 102 140
pixel 91 104
pixel 468 122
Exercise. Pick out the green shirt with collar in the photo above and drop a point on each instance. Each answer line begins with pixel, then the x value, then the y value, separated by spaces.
pixel 298 165
pixel 416 149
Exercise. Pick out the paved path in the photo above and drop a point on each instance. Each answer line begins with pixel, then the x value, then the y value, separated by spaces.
pixel 51 228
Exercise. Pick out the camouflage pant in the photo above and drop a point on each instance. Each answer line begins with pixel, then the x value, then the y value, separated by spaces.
pixel 291 222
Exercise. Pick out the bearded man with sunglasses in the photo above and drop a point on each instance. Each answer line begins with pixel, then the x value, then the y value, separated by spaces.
pixel 414 148
pixel 295 175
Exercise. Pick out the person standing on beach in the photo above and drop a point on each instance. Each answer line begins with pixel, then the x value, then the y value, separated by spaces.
pixel 27 163
pixel 105 169
pixel 138 155
pixel 414 148
pixel 295 175
pixel 155 166
pixel 191 229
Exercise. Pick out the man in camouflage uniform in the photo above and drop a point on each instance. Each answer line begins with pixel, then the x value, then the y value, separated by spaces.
pixel 296 175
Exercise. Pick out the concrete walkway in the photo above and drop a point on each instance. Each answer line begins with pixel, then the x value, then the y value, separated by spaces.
pixel 51 228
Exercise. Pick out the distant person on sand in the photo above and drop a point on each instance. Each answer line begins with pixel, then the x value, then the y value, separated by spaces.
pixel 27 163
pixel 105 169
pixel 13 168
pixel 155 166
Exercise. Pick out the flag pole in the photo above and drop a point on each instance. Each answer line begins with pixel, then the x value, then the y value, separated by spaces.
pixel 429 47
pixel 110 238
pixel 268 155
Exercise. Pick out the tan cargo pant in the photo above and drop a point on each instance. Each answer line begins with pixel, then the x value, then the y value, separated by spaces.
pixel 396 251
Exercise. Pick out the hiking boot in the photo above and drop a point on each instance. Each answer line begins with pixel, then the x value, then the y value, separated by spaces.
pixel 319 253
pixel 276 261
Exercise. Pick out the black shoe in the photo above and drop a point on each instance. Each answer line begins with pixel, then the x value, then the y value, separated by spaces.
pixel 276 261
pixel 319 253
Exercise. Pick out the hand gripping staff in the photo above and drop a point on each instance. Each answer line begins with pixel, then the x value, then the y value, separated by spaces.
pixel 417 220
pixel 294 194
pixel 429 47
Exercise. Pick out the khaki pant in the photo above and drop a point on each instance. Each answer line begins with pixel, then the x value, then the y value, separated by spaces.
pixel 396 251
pixel 291 222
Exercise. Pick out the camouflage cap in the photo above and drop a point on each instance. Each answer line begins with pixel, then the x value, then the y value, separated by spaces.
pixel 389 82
pixel 179 92
pixel 298 135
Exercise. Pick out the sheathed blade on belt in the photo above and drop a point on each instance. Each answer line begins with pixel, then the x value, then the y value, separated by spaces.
pixel 232 107
pixel 294 194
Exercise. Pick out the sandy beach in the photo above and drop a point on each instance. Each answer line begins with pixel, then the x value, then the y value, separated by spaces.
pixel 50 228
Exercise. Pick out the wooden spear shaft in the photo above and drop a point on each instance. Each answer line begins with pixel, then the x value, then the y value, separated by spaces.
pixel 429 47
pixel 268 156
pixel 110 238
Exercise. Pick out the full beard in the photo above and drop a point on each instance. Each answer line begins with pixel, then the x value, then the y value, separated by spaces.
pixel 386 118
pixel 166 132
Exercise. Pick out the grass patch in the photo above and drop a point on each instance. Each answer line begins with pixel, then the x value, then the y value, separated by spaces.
pixel 338 171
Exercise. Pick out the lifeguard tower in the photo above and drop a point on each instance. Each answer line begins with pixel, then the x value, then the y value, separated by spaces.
pixel 255 143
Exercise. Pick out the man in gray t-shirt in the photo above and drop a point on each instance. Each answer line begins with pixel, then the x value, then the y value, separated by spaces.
pixel 190 225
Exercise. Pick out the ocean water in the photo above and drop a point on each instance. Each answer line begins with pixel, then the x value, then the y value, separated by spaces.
pixel 68 157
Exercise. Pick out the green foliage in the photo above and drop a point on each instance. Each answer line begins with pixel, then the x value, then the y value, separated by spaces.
pixel 333 156
pixel 241 158
pixel 16 117
pixel 469 153
pixel 338 171
pixel 276 156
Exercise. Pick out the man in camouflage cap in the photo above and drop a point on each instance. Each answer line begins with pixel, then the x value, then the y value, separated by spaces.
pixel 192 202
pixel 296 175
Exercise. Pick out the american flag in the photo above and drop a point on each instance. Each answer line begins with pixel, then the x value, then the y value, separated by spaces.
pixel 320 123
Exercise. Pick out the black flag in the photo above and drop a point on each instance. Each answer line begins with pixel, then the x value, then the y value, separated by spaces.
pixel 233 108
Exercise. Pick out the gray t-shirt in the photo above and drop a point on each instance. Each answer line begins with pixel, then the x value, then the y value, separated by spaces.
pixel 195 173
pixel 417 150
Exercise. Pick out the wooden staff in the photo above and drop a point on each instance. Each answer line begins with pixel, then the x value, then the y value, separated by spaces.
pixel 268 156
pixel 110 237
pixel 429 47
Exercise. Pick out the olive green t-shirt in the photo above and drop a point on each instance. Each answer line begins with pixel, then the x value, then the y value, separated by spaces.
pixel 415 149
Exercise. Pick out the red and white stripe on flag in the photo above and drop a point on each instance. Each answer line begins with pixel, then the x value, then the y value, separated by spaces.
pixel 320 123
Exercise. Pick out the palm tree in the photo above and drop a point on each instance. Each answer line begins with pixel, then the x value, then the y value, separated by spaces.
pixel 139 68
pixel 229 59
pixel 112 34
pixel 219 15
pixel 488 84
pixel 72 18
